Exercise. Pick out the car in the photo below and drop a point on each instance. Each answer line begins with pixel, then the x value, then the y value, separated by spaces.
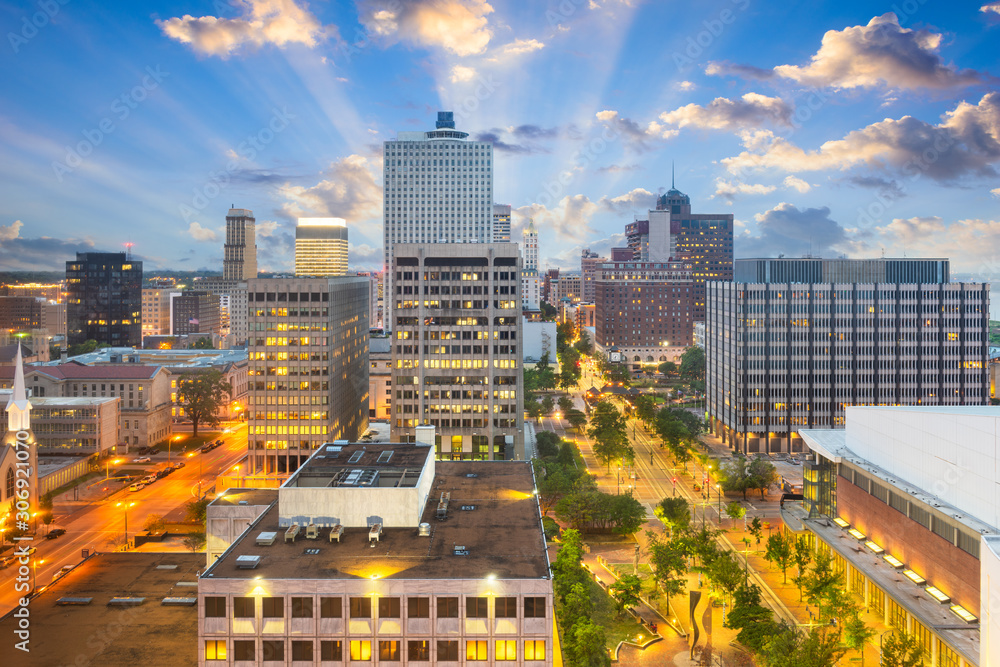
pixel 137 486
pixel 141 459
pixel 179 465
pixel 218 442
pixel 54 533
pixel 63 570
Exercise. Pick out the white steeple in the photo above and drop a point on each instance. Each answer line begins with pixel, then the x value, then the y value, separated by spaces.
pixel 18 407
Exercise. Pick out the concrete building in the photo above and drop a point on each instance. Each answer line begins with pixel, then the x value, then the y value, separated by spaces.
pixel 233 310
pixel 228 516
pixel 308 365
pixel 375 311
pixel 156 311
pixel 787 355
pixel 457 348
pixel 321 247
pixel 904 498
pixel 438 189
pixel 104 299
pixel 537 338
pixel 20 313
pixel 379 378
pixel 501 223
pixel 239 261
pixel 590 263
pixel 473 587
pixel 48 292
pixel 72 425
pixel 195 311
pixel 531 284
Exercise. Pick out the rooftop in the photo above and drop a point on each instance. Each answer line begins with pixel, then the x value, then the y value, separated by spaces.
pixel 249 496
pixel 493 522
pixel 62 401
pixel 362 464
pixel 172 358
pixel 148 633
pixel 77 371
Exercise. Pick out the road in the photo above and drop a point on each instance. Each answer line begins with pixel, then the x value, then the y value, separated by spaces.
pixel 91 525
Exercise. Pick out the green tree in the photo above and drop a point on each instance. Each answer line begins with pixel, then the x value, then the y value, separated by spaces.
pixel 586 646
pixel 735 476
pixel 549 312
pixel 154 523
pixel 565 404
pixel 667 559
pixel 585 345
pixel 757 529
pixel 608 428
pixel 725 572
pixel 202 395
pixel 548 405
pixel 802 555
pixel 533 407
pixel 576 419
pixel 202 343
pixel 194 542
pixel 902 650
pixel 547 443
pixel 857 634
pixel 668 368
pixel 195 510
pixel 822 586
pixel 86 347
pixel 567 569
pixel 565 333
pixel 625 592
pixel 735 511
pixel 820 647
pixel 577 606
pixel 567 454
pixel 754 621
pixel 779 553
pixel 627 514
pixel 693 365
pixel 45 508
pixel 761 474
pixel 674 512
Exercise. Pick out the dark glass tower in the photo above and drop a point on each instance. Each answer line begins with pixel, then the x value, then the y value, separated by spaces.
pixel 105 299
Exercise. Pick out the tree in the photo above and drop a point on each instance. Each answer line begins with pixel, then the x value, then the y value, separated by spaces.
pixel 533 407
pixel 548 405
pixel 154 523
pixel 554 482
pixel 565 404
pixel 754 621
pixel 725 572
pixel 668 368
pixel 45 508
pixel 202 343
pixel 669 565
pixel 195 510
pixel 674 512
pixel 566 569
pixel 608 428
pixel 586 647
pixel 577 606
pixel 820 647
pixel 761 474
pixel 195 542
pixel 902 650
pixel 822 586
pixel 202 395
pixel 86 347
pixel 549 312
pixel 779 553
pixel 857 634
pixel 547 443
pixel 585 345
pixel 735 511
pixel 576 419
pixel 757 529
pixel 565 333
pixel 736 476
pixel 802 555
pixel 625 592
pixel 693 365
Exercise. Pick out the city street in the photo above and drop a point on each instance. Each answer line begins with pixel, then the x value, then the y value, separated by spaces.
pixel 91 524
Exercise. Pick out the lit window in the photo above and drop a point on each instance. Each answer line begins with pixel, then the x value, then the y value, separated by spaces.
pixel 215 649
pixel 506 649
pixel 534 649
pixel 361 650
pixel 476 650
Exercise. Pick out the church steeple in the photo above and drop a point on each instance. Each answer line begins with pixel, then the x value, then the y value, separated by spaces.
pixel 19 407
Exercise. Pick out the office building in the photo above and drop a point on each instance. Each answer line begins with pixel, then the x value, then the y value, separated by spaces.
pixel 48 292
pixel 590 263
pixel 308 367
pixel 379 378
pixel 156 311
pixel 438 189
pixel 239 260
pixel 904 499
pixel 20 313
pixel 456 348
pixel 321 247
pixel 531 284
pixel 788 355
pixel 374 298
pixel 501 223
pixel 73 426
pixel 196 311
pixel 644 310
pixel 104 299
pixel 426 562
pixel 232 296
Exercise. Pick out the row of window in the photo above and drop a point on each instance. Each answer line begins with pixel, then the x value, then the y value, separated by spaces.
pixel 361 607
pixel 361 650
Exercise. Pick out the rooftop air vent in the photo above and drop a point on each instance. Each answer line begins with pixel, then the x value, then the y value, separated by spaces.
pixel 73 601
pixel 424 530
pixel 266 538
pixel 180 602
pixel 244 502
pixel 247 562
pixel 468 508
pixel 461 551
pixel 472 474
pixel 166 567
pixel 311 552
pixel 125 602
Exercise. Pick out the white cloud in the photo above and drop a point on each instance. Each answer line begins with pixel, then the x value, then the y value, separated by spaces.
pixel 638 137
pixel 267 228
pixel 199 233
pixel 350 190
pixel 569 219
pixel 457 26
pixel 991 7
pixel 796 183
pixel 995 192
pixel 519 46
pixel 11 231
pixel 792 231
pixel 686 85
pixel 752 110
pixel 971 243
pixel 728 190
pixel 277 22
pixel 877 54
pixel 638 199
pixel 461 74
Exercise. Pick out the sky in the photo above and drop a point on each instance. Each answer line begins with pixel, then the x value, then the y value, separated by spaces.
pixel 827 128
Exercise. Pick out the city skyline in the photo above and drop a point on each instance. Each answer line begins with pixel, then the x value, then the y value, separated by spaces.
pixel 854 134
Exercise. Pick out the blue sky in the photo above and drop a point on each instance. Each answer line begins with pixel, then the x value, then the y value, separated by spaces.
pixel 833 128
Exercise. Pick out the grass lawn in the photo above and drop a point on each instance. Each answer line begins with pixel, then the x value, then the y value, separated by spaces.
pixel 188 441
pixel 76 482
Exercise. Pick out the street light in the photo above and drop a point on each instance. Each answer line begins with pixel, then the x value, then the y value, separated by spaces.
pixel 125 507
pixel 34 573
pixel 718 487
pixel 170 442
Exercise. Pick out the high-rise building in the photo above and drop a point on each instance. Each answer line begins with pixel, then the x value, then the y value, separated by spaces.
pixel 438 189
pixel 196 311
pixel 456 348
pixel 590 263
pixel 308 353
pixel 20 313
pixel 321 247
pixel 156 311
pixel 239 261
pixel 501 223
pixel 531 284
pixel 814 336
pixel 104 299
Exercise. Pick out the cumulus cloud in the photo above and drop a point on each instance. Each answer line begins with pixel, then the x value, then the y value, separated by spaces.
pixel 991 7
pixel 966 142
pixel 261 22
pixel 785 229
pixel 457 26
pixel 638 199
pixel 199 233
pixel 568 219
pixel 266 228
pixel 639 138
pixel 729 190
pixel 569 258
pixel 881 53
pixel 364 256
pixel 752 110
pixel 520 46
pixel 350 190
pixel 37 254
pixel 796 183
pixel 461 74
pixel 970 243
pixel 522 139
pixel 11 231
pixel 686 85
pixel 995 192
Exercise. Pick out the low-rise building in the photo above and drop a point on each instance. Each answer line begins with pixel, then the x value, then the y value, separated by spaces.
pixel 71 425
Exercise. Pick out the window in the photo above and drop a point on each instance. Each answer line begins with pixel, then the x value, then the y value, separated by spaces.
pixel 506 608
pixel 243 649
pixel 447 650
pixel 361 608
pixel 331 650
pixel 477 607
pixel 476 649
pixel 418 650
pixel 302 607
pixel 534 607
pixel 273 607
pixel 448 608
pixel 388 650
pixel 331 607
pixel 244 608
pixel 215 649
pixel 361 649
pixel 506 649
pixel 273 649
pixel 215 607
pixel 534 649
pixel 388 608
pixel 418 608
pixel 302 650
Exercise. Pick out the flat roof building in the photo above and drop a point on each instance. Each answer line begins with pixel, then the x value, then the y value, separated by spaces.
pixel 321 247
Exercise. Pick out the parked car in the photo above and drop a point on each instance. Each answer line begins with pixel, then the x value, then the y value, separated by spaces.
pixel 141 459
pixel 136 486
pixel 178 465
pixel 54 533
pixel 63 570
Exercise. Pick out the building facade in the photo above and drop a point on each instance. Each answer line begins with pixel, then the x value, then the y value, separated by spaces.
pixel 73 425
pixel 232 296
pixel 196 311
pixel 531 283
pixel 438 189
pixel 501 223
pixel 20 313
pixel 308 353
pixel 380 378
pixel 239 259
pixel 321 247
pixel 104 299
pixel 456 348
pixel 590 263
pixel 156 311
pixel 787 355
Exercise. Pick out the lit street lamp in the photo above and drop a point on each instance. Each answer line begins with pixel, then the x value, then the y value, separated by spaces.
pixel 34 573
pixel 125 507
pixel 718 487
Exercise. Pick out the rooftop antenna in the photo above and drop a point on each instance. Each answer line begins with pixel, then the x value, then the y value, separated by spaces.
pixel 672 175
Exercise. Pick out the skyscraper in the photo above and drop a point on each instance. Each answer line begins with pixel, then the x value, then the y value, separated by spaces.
pixel 531 285
pixel 501 223
pixel 104 299
pixel 239 262
pixel 438 189
pixel 321 247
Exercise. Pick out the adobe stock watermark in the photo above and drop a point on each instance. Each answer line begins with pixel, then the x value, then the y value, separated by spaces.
pixel 22 517
pixel 32 23
pixel 696 45
pixel 362 36
pixel 121 108
pixel 247 150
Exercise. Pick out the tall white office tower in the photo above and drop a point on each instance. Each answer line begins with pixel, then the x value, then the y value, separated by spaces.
pixel 501 223
pixel 438 189
pixel 530 282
